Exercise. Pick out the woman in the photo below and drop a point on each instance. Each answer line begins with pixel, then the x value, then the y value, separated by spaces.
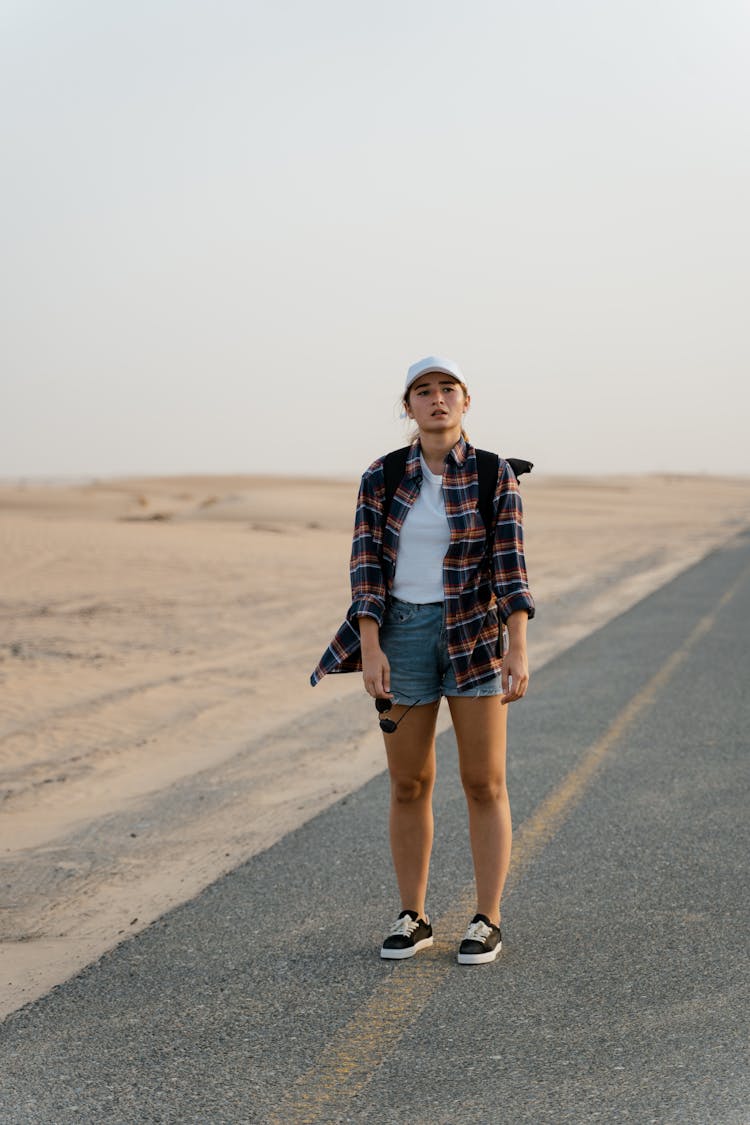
pixel 430 586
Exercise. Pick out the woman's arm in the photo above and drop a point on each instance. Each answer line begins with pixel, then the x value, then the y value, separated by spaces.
pixel 368 584
pixel 510 583
pixel 365 568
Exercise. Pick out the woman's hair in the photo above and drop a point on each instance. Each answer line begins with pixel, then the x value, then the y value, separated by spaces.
pixel 414 431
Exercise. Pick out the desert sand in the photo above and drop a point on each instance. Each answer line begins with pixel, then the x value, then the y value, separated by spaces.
pixel 156 717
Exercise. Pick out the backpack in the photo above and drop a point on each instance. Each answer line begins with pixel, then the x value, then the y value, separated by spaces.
pixel 394 467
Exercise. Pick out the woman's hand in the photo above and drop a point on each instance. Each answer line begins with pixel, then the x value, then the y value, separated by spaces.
pixel 376 671
pixel 515 675
pixel 515 672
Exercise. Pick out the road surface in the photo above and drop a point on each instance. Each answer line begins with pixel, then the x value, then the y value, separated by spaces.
pixel 621 994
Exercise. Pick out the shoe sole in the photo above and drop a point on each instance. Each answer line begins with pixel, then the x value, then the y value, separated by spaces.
pixel 479 958
pixel 401 954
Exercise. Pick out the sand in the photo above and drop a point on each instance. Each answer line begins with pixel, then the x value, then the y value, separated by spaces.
pixel 156 721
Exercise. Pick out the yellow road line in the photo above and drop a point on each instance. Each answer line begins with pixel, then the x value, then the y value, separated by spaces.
pixel 348 1061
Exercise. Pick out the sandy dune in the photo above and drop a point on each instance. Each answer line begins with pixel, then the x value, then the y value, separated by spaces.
pixel 157 726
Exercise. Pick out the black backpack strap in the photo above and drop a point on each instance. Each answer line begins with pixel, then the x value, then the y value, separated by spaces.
pixel 487 469
pixel 394 467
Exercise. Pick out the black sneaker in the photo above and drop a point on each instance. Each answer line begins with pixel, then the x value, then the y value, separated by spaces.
pixel 482 942
pixel 409 933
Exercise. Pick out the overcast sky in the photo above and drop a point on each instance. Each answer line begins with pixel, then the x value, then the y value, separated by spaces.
pixel 228 228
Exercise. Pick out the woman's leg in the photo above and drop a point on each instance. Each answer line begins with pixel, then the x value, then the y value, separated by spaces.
pixel 411 765
pixel 480 725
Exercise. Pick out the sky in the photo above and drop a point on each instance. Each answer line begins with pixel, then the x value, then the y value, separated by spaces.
pixel 229 227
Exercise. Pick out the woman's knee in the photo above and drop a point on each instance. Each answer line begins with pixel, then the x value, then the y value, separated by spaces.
pixel 406 790
pixel 484 790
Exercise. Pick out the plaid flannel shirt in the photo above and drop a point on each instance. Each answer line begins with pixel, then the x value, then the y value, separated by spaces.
pixel 477 595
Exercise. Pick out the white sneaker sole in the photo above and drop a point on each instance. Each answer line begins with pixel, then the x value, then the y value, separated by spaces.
pixel 401 954
pixel 479 958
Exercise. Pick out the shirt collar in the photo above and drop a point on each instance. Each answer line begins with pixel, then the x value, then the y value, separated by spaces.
pixel 459 453
pixel 413 466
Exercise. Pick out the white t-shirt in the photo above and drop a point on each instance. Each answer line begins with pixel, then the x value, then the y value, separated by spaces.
pixel 422 544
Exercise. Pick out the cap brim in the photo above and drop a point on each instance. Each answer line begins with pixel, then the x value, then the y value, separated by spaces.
pixel 434 371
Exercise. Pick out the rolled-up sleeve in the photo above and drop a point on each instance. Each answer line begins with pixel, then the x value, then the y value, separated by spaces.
pixel 365 566
pixel 509 578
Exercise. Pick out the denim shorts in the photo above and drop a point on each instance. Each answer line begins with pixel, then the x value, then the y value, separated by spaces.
pixel 413 638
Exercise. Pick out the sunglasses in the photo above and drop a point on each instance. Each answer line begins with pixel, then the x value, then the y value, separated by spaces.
pixel 388 725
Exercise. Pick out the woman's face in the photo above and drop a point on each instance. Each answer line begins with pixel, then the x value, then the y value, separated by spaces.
pixel 437 403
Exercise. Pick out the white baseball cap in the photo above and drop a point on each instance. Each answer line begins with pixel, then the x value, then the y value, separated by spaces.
pixel 433 363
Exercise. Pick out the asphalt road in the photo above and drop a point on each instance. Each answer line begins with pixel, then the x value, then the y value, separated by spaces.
pixel 621 994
